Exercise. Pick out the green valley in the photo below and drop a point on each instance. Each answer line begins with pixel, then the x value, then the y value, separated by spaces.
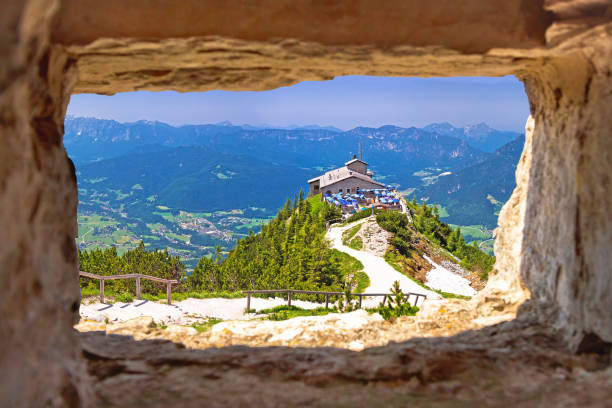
pixel 193 188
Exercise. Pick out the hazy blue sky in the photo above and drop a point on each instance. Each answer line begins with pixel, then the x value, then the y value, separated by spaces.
pixel 344 102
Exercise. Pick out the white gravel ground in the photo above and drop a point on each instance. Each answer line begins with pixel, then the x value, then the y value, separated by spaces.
pixel 381 274
pixel 184 312
pixel 442 279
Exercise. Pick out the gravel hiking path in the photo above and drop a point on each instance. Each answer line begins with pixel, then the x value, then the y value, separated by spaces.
pixel 381 274
pixel 184 312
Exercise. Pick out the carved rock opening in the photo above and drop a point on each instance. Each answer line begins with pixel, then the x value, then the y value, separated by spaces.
pixel 555 236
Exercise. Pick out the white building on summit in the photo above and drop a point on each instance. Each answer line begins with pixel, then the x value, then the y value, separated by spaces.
pixel 346 180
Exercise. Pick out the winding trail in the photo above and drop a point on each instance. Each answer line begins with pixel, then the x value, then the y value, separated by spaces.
pixel 381 274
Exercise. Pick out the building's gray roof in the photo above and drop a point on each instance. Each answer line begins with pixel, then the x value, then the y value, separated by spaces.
pixel 342 173
pixel 355 160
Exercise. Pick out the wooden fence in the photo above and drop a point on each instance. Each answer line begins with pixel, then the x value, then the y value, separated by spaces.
pixel 289 292
pixel 138 276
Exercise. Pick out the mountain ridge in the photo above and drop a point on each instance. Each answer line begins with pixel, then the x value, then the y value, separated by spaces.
pixel 393 151
pixel 472 199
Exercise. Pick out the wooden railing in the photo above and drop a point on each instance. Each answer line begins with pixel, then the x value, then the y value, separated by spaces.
pixel 138 276
pixel 289 292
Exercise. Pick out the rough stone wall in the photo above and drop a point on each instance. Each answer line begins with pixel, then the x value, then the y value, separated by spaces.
pixel 469 26
pixel 554 238
pixel 39 353
pixel 558 47
pixel 567 239
pixel 505 291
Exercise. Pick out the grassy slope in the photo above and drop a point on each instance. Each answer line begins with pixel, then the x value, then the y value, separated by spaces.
pixel 352 266
pixel 356 243
pixel 285 312
pixel 350 233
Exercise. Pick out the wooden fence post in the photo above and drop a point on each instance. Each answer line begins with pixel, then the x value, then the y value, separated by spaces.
pixel 248 302
pixel 101 290
pixel 359 300
pixel 168 292
pixel 326 300
pixel 138 287
pixel 289 298
pixel 384 300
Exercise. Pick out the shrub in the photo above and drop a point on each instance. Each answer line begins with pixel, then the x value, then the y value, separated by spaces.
pixel 401 246
pixel 124 297
pixel 356 243
pixel 205 325
pixel 398 305
pixel 392 221
pixel 404 234
pixel 362 214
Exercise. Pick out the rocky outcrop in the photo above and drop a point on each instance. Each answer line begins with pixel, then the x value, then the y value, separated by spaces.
pixel 375 239
pixel 554 237
pixel 567 235
pixel 39 355
pixel 510 364
pixel 354 331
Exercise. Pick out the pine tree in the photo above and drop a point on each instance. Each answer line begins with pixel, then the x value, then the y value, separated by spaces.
pixel 289 252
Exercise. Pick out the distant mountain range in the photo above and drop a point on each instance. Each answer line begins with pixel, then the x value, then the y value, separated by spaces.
pixel 290 127
pixel 392 151
pixel 197 179
pixel 480 136
pixel 474 195
pixel 128 171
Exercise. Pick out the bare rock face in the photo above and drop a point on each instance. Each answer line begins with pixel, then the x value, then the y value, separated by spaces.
pixel 555 234
pixel 567 235
pixel 505 290
pixel 375 239
pixel 39 354
pixel 353 331
pixel 510 364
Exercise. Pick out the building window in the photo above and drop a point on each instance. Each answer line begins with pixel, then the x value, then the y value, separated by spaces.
pixel 339 190
pixel 316 187
pixel 348 191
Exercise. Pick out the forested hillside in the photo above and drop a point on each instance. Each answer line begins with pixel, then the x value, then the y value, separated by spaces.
pixel 196 179
pixel 475 194
pixel 428 235
pixel 191 188
pixel 289 252
pixel 138 260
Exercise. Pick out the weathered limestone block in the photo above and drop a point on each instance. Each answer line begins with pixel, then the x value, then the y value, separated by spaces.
pixel 554 241
pixel 39 353
pixel 510 364
pixel 567 239
pixel 505 290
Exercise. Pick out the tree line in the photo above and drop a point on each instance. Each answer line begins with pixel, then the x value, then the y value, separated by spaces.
pixel 426 220
pixel 289 252
pixel 156 263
